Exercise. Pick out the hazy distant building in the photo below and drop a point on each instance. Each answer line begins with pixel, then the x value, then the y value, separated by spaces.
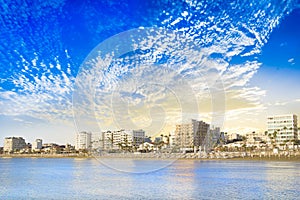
pixel 172 140
pixel 12 144
pixel 232 137
pixel 138 137
pixel 37 144
pixel 283 128
pixel 214 136
pixel 83 140
pixel 97 141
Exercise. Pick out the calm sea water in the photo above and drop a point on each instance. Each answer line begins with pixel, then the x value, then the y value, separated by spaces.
pixel 28 178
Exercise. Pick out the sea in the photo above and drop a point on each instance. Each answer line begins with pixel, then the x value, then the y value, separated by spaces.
pixel 76 178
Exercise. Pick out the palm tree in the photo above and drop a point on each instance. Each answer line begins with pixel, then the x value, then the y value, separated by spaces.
pixel 275 135
pixel 168 139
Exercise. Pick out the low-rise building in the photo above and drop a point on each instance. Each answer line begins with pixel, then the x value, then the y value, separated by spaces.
pixel 232 137
pixel 255 139
pixel 146 146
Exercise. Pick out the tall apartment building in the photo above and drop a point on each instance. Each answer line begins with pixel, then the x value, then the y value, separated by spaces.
pixel 12 144
pixel 83 140
pixel 37 144
pixel 192 134
pixel 283 127
pixel 138 137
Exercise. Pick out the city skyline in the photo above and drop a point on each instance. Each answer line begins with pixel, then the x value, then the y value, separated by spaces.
pixel 42 56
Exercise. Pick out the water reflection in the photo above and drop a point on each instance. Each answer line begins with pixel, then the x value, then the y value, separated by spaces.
pixel 184 179
pixel 282 179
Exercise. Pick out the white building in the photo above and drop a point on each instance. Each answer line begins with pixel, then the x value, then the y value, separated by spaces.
pixel 83 140
pixel 117 139
pixel 255 139
pixel 12 144
pixel 146 146
pixel 123 139
pixel 283 128
pixel 37 145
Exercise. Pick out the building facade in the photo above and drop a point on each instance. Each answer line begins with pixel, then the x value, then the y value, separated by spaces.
pixel 138 137
pixel 83 140
pixel 123 139
pixel 12 144
pixel 283 128
pixel 191 135
pixel 114 140
pixel 37 145
pixel 255 139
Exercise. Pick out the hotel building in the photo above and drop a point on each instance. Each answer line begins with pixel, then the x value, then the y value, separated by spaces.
pixel 12 144
pixel 191 135
pixel 83 140
pixel 283 128
pixel 122 139
pixel 37 145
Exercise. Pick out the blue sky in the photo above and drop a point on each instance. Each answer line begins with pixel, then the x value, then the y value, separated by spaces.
pixel 280 70
pixel 253 47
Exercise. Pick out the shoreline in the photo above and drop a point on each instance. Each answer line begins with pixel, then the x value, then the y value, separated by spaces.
pixel 155 157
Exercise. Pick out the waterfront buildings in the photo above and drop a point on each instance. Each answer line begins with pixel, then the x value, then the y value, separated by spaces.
pixel 83 140
pixel 214 136
pixel 232 137
pixel 114 140
pixel 12 144
pixel 283 128
pixel 255 139
pixel 191 135
pixel 37 145
pixel 138 137
pixel 123 139
pixel 172 139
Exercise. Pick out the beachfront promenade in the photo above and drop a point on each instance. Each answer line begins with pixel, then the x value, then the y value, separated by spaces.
pixel 199 155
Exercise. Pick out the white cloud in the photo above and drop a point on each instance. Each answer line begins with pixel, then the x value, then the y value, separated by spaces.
pixel 190 61
pixel 44 95
pixel 292 61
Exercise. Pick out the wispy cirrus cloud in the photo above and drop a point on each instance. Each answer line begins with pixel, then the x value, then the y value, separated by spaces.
pixel 198 51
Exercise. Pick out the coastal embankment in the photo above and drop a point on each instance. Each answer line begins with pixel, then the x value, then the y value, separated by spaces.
pixel 268 156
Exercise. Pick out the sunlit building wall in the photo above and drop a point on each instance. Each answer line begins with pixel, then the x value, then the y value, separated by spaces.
pixel 283 128
pixel 192 134
pixel 12 144
pixel 83 140
pixel 37 144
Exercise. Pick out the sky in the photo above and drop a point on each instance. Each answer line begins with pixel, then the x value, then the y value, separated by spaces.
pixel 68 66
